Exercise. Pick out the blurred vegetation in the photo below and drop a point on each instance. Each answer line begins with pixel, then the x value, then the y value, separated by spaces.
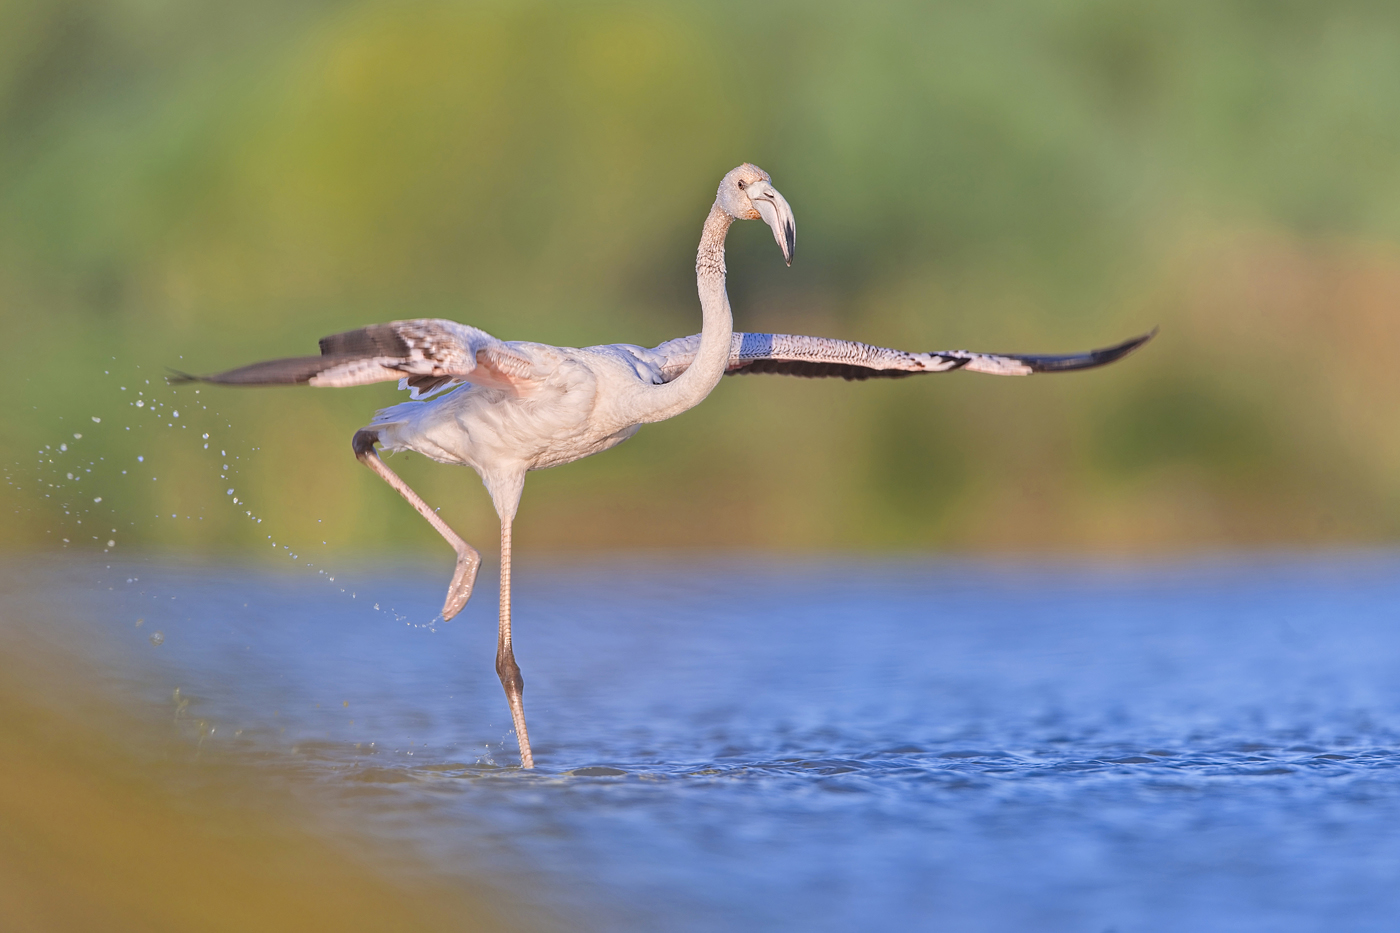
pixel 203 184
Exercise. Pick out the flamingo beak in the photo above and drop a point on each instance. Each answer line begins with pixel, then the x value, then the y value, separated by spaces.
pixel 776 213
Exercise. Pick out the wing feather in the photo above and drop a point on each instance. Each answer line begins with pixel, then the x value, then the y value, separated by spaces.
pixel 822 357
pixel 426 355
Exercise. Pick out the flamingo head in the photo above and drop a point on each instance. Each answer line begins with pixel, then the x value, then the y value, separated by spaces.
pixel 747 193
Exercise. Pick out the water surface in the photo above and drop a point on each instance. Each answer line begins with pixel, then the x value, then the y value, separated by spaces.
pixel 749 744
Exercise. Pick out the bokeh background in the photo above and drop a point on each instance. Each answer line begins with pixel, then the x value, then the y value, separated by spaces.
pixel 203 184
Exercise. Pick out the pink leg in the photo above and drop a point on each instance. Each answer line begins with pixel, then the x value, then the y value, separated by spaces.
pixel 468 560
pixel 506 668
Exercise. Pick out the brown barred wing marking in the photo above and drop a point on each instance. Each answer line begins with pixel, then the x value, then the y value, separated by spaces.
pixel 375 340
pixel 425 354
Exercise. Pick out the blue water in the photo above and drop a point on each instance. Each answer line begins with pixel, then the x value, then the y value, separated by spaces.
pixel 749 744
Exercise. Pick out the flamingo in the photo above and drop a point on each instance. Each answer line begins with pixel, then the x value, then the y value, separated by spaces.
pixel 507 407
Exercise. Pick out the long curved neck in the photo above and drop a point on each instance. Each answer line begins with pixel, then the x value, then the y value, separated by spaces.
pixel 716 332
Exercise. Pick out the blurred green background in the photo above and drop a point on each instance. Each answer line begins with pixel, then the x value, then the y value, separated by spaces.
pixel 203 184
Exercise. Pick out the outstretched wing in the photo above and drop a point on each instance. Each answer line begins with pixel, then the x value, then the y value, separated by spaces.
pixel 426 355
pixel 823 357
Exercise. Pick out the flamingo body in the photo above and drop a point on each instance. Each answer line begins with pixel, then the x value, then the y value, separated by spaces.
pixel 571 404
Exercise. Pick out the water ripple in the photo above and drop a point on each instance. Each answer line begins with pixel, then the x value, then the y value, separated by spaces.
pixel 822 747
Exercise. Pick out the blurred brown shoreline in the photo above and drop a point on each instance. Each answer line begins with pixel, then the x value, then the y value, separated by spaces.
pixel 109 820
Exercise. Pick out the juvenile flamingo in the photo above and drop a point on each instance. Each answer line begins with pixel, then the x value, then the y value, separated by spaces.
pixel 507 407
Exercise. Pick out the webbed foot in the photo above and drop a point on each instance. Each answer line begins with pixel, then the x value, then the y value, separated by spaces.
pixel 460 590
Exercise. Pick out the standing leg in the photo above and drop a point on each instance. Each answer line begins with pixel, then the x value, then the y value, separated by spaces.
pixel 468 560
pixel 506 668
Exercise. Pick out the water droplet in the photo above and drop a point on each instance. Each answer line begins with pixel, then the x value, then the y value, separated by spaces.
pixel 98 499
pixel 112 543
pixel 206 435
pixel 229 492
pixel 96 420
pixel 157 638
pixel 77 437
pixel 62 446
pixel 140 403
pixel 174 414
pixel 139 622
pixel 140 459
pixel 70 475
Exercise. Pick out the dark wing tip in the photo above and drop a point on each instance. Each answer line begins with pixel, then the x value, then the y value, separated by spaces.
pixel 1114 353
pixel 1128 346
pixel 294 371
pixel 177 378
pixel 1094 358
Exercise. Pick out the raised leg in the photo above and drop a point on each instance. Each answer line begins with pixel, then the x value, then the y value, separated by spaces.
pixel 468 560
pixel 506 668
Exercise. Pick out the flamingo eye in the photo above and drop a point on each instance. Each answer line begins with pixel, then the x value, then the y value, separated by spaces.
pixel 743 185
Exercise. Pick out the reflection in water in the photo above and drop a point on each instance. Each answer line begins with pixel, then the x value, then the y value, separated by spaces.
pixel 747 745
